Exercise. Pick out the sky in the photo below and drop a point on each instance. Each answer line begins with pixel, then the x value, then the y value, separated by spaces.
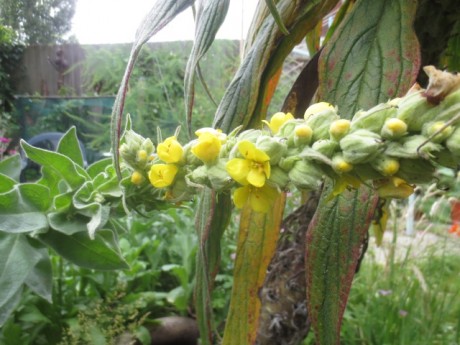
pixel 116 21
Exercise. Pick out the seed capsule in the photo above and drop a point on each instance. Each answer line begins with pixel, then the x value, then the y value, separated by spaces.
pixel 413 111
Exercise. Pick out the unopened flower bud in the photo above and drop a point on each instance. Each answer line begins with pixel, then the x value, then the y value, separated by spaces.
pixel 360 146
pixel 394 128
pixel 305 175
pixel 340 165
pixel 303 135
pixel 317 108
pixel 278 178
pixel 274 147
pixel 320 122
pixel 453 142
pixel 387 166
pixel 326 147
pixel 339 128
pixel 437 131
pixel 137 178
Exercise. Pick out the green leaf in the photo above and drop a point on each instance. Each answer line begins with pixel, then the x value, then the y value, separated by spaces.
pixel 68 223
pixel 276 15
pixel 61 166
pixel 6 183
pixel 11 167
pixel 40 278
pixel 158 17
pixel 210 16
pixel 213 216
pixel 100 253
pixel 7 309
pixel 334 240
pixel 23 208
pixel 374 54
pixel 69 146
pixel 17 259
pixel 98 167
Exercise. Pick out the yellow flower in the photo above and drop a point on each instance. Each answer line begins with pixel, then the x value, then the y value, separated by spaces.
pixel 394 187
pixel 277 120
pixel 317 108
pixel 208 147
pixel 170 150
pixel 216 132
pixel 260 199
pixel 253 169
pixel 162 175
pixel 343 182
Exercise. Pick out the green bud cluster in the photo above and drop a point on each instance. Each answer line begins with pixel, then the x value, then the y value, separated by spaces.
pixel 397 142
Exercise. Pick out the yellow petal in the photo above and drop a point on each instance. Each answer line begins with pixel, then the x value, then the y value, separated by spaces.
pixel 256 177
pixel 247 149
pixel 240 196
pixel 238 169
pixel 208 147
pixel 277 120
pixel 170 150
pixel 162 175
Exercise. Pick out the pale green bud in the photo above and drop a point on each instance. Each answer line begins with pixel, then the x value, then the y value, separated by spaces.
pixel 413 110
pixel 320 123
pixel 360 146
pixel 278 177
pixel 340 165
pixel 394 128
pixel 373 119
pixel 411 147
pixel 386 166
pixel 339 128
pixel 305 175
pixel 274 147
pixel 326 147
pixel 453 142
pixel 437 131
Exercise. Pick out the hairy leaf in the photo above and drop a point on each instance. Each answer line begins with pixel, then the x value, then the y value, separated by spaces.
pixel 159 16
pixel 257 240
pixel 210 16
pixel 69 146
pixel 372 56
pixel 246 100
pixel 22 209
pixel 100 254
pixel 11 167
pixel 17 259
pixel 40 278
pixel 213 216
pixel 59 165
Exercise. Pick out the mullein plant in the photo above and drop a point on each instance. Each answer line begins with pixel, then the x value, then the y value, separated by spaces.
pixel 390 147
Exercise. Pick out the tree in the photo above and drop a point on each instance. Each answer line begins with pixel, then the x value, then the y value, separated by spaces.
pixel 38 21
